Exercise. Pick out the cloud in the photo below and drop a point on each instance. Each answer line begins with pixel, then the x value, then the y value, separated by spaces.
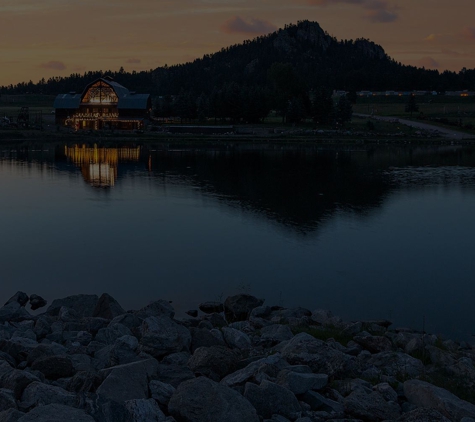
pixel 253 26
pixel 379 11
pixel 376 11
pixel 430 37
pixel 428 63
pixel 468 33
pixel 53 64
pixel 133 61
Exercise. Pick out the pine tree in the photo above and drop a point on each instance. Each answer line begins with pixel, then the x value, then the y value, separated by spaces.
pixel 411 105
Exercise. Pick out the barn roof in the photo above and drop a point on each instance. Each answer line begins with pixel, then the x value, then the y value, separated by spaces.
pixel 127 99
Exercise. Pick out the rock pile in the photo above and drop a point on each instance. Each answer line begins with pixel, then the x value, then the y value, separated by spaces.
pixel 86 359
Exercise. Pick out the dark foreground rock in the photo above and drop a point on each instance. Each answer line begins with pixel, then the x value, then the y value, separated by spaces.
pixel 86 359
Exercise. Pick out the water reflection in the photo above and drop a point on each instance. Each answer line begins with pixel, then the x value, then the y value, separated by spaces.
pixel 369 232
pixel 99 164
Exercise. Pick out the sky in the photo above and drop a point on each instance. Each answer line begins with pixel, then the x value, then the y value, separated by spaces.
pixel 59 37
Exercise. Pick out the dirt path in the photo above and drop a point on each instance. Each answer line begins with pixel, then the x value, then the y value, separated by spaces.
pixel 446 132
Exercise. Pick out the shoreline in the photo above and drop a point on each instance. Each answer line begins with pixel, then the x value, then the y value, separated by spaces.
pixel 87 359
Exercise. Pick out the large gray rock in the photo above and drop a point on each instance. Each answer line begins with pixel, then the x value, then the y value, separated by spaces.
pixel 7 400
pixel 128 382
pixel 300 383
pixel 111 333
pixel 423 415
pixel 37 302
pixel 394 364
pixel 15 379
pixel 10 415
pixel 303 349
pixel 274 334
pixel 211 307
pixel 319 402
pixel 13 311
pixel 374 344
pixel 213 362
pixel 19 297
pixel 82 305
pixel 203 400
pixel 39 394
pixel 371 406
pixel 173 374
pixel 423 394
pixel 45 350
pixel 56 413
pixel 18 348
pixel 142 410
pixel 256 371
pixel 236 339
pixel 107 307
pixel 158 308
pixel 239 307
pixel 269 398
pixel 54 367
pixel 162 336
pixel 202 337
pixel 161 392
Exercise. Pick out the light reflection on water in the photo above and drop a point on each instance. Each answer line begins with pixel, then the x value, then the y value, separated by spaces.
pixel 380 233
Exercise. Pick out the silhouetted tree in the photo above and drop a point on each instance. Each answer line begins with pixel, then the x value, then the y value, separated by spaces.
pixel 323 108
pixel 344 110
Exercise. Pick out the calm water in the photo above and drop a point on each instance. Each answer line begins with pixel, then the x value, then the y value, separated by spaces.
pixel 385 232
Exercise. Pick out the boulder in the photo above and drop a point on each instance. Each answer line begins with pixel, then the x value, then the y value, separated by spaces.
pixel 162 336
pixel 13 311
pixel 15 379
pixel 142 410
pixel 423 394
pixel 303 349
pixel 213 362
pixel 39 394
pixel 269 398
pixel 111 333
pixel 256 371
pixel 319 402
pixel 56 413
pixel 18 348
pixel 10 415
pixel 300 383
pixel 127 382
pixel 239 307
pixel 203 400
pixel 107 307
pixel 7 400
pixel 161 392
pixel 423 415
pixel 82 305
pixel 211 307
pixel 46 350
pixel 394 364
pixel 19 297
pixel 173 374
pixel 374 344
pixel 274 334
pixel 158 308
pixel 84 382
pixel 371 406
pixel 54 367
pixel 236 339
pixel 202 337
pixel 37 302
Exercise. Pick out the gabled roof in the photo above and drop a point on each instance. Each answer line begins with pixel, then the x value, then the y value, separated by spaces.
pixel 67 101
pixel 134 101
pixel 127 100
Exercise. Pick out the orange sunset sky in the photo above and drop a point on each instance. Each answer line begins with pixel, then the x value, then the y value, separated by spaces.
pixel 59 37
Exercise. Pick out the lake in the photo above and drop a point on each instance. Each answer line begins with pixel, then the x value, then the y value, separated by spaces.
pixel 365 231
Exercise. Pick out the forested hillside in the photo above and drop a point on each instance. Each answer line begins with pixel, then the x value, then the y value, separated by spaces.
pixel 291 70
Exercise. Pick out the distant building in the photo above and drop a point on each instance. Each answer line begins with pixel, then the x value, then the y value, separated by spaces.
pixel 103 104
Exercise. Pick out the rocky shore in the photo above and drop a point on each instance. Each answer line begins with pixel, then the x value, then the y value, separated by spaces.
pixel 86 359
